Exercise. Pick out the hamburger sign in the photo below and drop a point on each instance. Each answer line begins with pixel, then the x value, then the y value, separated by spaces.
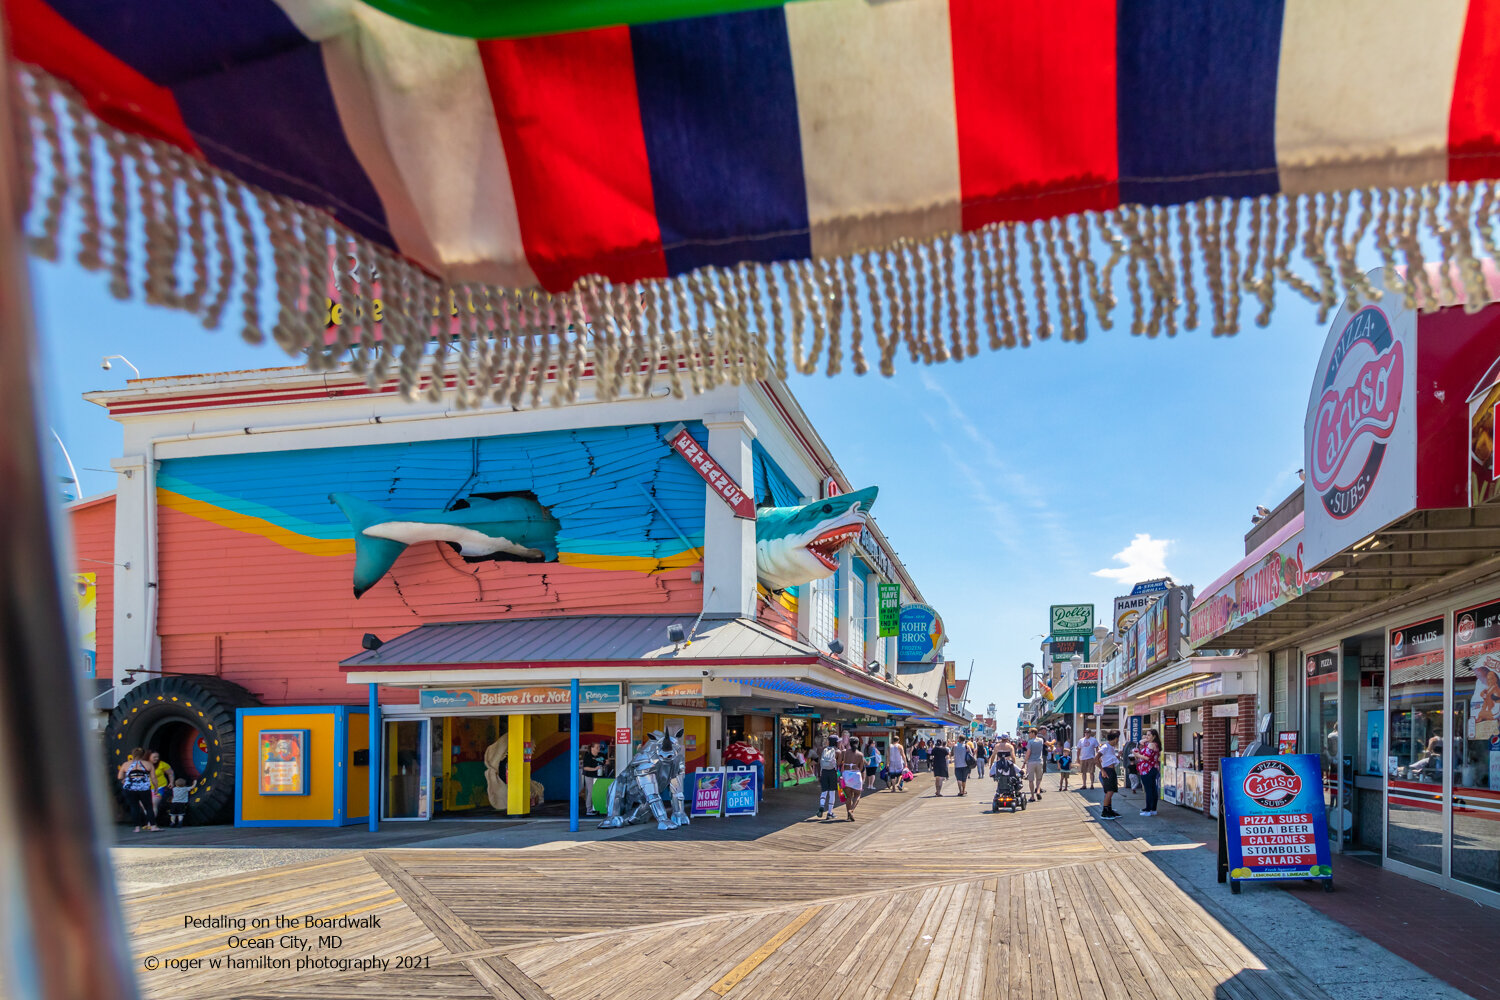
pixel 1360 429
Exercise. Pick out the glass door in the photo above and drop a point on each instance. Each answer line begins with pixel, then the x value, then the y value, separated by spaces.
pixel 1322 717
pixel 1475 829
pixel 406 792
pixel 1415 761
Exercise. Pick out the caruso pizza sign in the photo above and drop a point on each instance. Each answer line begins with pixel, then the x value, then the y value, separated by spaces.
pixel 1360 429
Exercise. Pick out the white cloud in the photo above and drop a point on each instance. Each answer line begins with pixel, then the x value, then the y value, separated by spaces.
pixel 1145 558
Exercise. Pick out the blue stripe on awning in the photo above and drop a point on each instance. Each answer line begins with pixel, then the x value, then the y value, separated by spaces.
pixel 803 689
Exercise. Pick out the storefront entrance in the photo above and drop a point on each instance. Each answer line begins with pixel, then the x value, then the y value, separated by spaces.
pixel 407 790
pixel 1406 720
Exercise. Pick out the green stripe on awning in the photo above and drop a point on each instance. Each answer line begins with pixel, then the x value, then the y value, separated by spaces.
pixel 520 18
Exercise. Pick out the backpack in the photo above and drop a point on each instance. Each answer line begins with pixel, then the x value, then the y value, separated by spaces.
pixel 829 761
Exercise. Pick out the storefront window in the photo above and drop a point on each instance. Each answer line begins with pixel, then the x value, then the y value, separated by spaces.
pixel 856 620
pixel 1476 731
pixel 1323 725
pixel 824 612
pixel 1414 747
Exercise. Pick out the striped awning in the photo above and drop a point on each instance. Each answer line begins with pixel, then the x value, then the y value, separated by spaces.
pixel 753 190
pixel 806 689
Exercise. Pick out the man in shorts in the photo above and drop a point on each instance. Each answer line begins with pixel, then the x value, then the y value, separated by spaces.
pixel 1088 758
pixel 1036 752
pixel 1109 760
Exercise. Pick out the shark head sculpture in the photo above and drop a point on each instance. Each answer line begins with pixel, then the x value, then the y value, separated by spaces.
pixel 796 545
pixel 512 527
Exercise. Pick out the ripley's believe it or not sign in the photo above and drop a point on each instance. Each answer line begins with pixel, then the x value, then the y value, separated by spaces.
pixel 1273 824
pixel 1361 429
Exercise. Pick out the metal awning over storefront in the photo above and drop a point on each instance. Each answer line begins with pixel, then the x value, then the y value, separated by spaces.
pixel 1198 678
pixel 576 640
pixel 748 687
pixel 1417 558
pixel 723 657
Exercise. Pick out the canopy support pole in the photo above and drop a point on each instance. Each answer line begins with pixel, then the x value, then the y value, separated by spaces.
pixel 575 764
pixel 375 758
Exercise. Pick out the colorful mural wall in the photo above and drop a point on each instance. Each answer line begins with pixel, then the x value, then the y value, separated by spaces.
pixel 92 523
pixel 774 488
pixel 257 563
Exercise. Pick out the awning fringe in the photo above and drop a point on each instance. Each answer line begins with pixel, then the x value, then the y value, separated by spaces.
pixel 202 235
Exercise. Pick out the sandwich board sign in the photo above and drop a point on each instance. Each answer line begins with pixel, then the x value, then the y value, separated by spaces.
pixel 741 792
pixel 1272 824
pixel 707 792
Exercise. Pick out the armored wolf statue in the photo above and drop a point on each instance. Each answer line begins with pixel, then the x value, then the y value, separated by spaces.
pixel 659 764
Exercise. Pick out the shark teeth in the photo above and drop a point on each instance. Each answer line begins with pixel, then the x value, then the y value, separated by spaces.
pixel 826 546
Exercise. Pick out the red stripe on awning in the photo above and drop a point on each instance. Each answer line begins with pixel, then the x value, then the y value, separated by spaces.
pixel 1474 117
pixel 113 90
pixel 1034 90
pixel 571 123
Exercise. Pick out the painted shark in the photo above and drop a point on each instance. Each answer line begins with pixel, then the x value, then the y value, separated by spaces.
pixel 515 527
pixel 795 545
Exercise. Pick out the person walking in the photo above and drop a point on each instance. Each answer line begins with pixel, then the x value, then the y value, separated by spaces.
pixel 828 780
pixel 851 772
pixel 1088 759
pixel 1109 758
pixel 135 778
pixel 595 762
pixel 872 766
pixel 963 761
pixel 895 763
pixel 939 755
pixel 161 789
pixel 1036 755
pixel 1147 761
pixel 1064 765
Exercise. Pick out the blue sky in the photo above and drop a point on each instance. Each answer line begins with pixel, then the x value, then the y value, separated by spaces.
pixel 1059 473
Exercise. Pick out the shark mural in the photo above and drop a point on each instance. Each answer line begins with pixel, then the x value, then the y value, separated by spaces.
pixel 512 527
pixel 796 545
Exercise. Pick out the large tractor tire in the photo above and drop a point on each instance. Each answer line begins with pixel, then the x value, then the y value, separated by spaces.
pixel 189 719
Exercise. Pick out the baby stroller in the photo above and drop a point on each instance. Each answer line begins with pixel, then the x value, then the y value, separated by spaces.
pixel 1007 784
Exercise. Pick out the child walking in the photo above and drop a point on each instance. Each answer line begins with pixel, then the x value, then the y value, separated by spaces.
pixel 178 808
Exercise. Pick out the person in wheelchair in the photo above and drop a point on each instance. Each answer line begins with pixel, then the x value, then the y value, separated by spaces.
pixel 1008 781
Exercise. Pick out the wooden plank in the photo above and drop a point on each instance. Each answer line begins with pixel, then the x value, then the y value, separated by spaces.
pixel 764 952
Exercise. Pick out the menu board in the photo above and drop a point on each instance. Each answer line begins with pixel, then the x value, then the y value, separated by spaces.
pixel 1415 651
pixel 1476 654
pixel 1273 824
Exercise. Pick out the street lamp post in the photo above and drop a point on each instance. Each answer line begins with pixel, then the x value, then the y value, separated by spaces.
pixel 1076 662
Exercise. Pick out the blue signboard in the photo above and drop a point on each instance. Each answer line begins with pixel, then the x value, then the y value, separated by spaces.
pixel 741 792
pixel 921 636
pixel 1157 586
pixel 706 793
pixel 1272 824
pixel 1133 729
pixel 542 697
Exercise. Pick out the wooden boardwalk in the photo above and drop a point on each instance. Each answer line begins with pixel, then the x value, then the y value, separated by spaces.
pixel 921 897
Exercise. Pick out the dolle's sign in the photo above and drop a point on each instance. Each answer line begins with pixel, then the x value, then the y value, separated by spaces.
pixel 1361 429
